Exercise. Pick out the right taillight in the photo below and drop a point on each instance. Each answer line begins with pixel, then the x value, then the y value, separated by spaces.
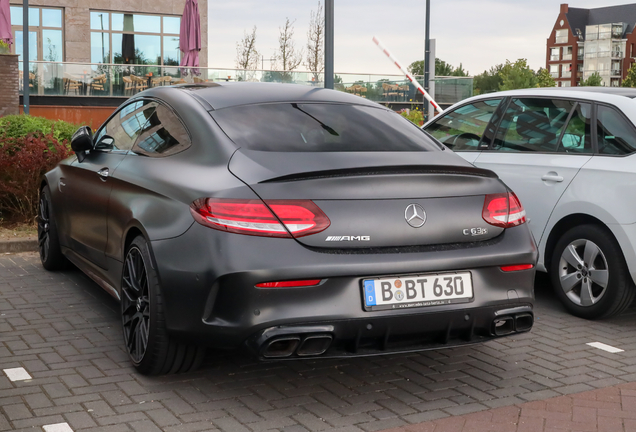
pixel 260 218
pixel 503 210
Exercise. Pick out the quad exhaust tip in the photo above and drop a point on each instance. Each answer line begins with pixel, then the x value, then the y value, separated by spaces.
pixel 287 346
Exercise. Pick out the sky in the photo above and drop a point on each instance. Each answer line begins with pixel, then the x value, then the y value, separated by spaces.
pixel 476 33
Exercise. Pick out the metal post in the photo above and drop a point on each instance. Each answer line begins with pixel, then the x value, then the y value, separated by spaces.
pixel 329 73
pixel 25 57
pixel 427 45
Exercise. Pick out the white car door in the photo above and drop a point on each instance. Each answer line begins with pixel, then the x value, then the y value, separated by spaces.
pixel 462 130
pixel 540 146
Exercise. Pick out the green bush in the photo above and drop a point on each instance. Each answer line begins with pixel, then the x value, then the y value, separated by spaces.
pixel 415 115
pixel 29 147
pixel 20 126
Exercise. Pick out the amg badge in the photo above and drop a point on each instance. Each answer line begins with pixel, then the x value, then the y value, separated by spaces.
pixel 348 238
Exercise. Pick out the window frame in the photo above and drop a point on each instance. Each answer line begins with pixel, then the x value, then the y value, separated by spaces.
pixel 111 117
pixel 39 29
pixel 110 32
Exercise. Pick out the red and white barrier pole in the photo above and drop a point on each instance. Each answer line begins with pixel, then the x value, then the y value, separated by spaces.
pixel 409 76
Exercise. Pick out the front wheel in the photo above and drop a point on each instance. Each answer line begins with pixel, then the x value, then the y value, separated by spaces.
pixel 48 240
pixel 589 273
pixel 150 348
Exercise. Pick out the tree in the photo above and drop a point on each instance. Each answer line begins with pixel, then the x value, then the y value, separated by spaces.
pixel 441 68
pixel 246 53
pixel 315 60
pixel 517 75
pixel 488 81
pixel 630 80
pixel 287 57
pixel 594 80
pixel 544 79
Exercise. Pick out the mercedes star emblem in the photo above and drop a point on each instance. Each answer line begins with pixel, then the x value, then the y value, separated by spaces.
pixel 415 215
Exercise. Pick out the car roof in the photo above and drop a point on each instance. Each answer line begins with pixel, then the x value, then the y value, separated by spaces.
pixel 587 92
pixel 223 95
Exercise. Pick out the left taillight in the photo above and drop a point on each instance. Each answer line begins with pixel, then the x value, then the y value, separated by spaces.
pixel 503 210
pixel 269 218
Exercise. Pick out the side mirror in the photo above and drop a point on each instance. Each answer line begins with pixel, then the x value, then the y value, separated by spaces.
pixel 81 141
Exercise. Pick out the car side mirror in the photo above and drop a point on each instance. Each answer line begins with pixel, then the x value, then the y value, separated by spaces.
pixel 81 141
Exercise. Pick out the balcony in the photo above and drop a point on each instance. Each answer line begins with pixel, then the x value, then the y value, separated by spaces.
pixel 590 55
pixel 615 72
pixel 603 54
pixel 554 57
pixel 617 54
pixel 566 74
pixel 567 56
pixel 554 74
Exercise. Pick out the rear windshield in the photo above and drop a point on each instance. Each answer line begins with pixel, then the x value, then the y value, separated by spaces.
pixel 321 127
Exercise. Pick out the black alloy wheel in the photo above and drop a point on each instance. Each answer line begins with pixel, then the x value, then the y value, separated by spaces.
pixel 135 305
pixel 48 242
pixel 150 348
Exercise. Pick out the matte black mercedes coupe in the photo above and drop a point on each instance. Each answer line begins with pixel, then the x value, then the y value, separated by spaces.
pixel 295 221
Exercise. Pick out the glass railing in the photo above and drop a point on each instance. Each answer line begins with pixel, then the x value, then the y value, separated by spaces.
pixel 123 80
pixel 567 56
pixel 554 57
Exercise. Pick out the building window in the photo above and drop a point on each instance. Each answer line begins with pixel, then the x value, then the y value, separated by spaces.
pixel 565 84
pixel 554 71
pixel 46 38
pixel 561 36
pixel 124 38
pixel 567 53
pixel 580 53
pixel 566 71
pixel 555 54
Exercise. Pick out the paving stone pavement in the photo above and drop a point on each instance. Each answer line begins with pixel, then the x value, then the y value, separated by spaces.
pixel 65 332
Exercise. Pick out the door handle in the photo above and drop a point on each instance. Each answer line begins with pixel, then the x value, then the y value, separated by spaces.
pixel 103 173
pixel 552 178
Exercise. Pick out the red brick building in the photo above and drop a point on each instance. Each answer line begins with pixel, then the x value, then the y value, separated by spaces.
pixel 585 41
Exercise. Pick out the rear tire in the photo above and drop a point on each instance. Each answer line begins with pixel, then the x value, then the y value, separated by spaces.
pixel 150 348
pixel 589 273
pixel 48 240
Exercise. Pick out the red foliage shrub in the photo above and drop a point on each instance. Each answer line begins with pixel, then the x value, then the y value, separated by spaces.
pixel 23 162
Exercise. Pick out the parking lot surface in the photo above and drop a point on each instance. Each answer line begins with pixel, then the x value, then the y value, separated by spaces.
pixel 64 332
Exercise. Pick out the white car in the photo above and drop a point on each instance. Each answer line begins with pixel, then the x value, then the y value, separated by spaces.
pixel 570 156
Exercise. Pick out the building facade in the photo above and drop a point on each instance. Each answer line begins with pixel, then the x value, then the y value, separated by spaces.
pixel 588 41
pixel 105 31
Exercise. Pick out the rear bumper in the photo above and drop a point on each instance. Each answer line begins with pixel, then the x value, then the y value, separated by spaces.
pixel 209 288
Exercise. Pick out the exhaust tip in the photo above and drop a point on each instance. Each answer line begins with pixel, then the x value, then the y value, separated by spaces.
pixel 314 345
pixel 281 347
pixel 523 322
pixel 503 326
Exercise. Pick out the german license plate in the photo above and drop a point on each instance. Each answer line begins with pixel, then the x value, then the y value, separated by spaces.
pixel 417 291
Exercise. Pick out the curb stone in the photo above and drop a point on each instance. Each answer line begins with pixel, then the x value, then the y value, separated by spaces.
pixel 19 245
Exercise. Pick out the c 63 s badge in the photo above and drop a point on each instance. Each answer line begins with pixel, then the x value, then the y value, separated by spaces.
pixel 348 238
pixel 475 231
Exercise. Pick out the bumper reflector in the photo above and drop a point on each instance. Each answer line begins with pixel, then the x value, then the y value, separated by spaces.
pixel 289 284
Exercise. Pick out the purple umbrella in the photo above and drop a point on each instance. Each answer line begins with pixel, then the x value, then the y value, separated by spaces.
pixel 190 35
pixel 5 22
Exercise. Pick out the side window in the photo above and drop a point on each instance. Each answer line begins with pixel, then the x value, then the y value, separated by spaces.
pixel 615 135
pixel 463 128
pixel 123 128
pixel 162 135
pixel 532 125
pixel 577 137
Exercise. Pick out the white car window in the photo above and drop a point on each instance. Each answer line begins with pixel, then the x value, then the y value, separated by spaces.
pixel 577 137
pixel 462 129
pixel 615 135
pixel 533 125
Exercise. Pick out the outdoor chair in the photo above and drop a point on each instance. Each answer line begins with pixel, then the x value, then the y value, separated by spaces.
pixel 71 85
pixel 156 81
pixel 404 91
pixel 97 84
pixel 129 86
pixel 31 78
pixel 363 90
pixel 139 83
